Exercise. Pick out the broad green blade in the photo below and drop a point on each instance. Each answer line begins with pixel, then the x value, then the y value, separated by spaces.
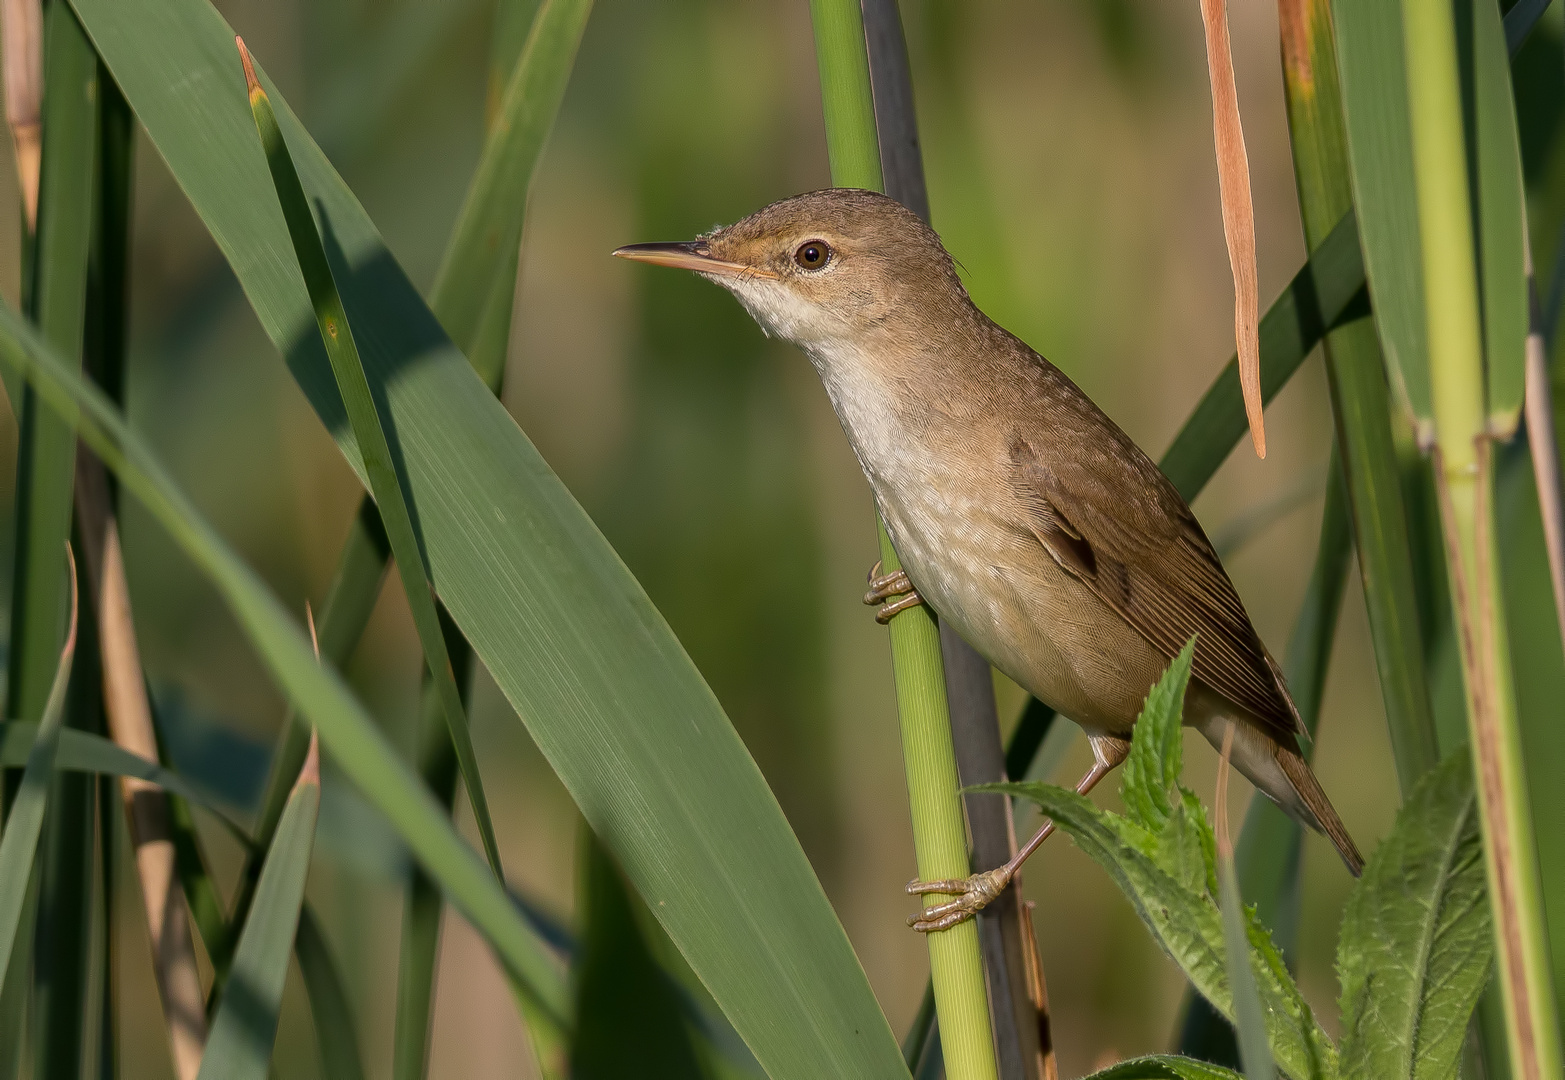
pixel 1165 1067
pixel 1416 945
pixel 319 693
pixel 24 824
pixel 240 1044
pixel 628 1021
pixel 1380 150
pixel 606 691
pixel 387 482
pixel 1501 218
pixel 1323 294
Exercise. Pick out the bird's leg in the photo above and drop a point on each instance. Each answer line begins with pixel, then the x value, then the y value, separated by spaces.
pixel 884 586
pixel 975 893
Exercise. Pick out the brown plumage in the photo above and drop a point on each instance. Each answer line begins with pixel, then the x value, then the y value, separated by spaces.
pixel 1022 514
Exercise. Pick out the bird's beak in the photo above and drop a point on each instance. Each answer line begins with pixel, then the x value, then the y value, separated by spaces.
pixel 690 255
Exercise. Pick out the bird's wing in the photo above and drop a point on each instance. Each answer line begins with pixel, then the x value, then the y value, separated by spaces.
pixel 1119 526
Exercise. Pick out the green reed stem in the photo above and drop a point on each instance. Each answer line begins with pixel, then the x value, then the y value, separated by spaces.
pixel 1464 476
pixel 934 790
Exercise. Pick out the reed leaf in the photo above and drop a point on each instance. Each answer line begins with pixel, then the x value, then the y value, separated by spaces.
pixel 387 482
pixel 24 825
pixel 319 693
pixel 605 690
pixel 240 1044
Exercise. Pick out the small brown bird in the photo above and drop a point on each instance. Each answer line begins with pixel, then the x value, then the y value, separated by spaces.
pixel 1021 513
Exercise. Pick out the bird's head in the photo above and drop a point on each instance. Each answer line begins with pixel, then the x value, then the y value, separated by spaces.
pixel 831 266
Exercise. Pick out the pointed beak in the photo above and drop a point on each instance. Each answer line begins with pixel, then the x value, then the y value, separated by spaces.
pixel 690 255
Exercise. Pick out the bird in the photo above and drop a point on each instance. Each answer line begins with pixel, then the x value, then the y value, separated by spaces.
pixel 1020 512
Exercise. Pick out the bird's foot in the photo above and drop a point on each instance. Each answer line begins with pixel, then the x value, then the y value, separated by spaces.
pixel 884 586
pixel 973 894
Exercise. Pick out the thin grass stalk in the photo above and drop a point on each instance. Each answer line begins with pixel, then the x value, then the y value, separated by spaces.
pixel 1360 400
pixel 1009 951
pixel 1464 478
pixel 934 789
pixel 21 34
pixel 146 806
pixel 1543 444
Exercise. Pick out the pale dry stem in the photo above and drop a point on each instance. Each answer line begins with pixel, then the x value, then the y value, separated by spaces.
pixel 146 805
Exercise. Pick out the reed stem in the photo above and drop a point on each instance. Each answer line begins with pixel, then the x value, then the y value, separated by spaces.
pixel 1464 479
pixel 934 790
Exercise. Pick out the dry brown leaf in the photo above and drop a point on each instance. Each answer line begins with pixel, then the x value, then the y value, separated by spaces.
pixel 1233 181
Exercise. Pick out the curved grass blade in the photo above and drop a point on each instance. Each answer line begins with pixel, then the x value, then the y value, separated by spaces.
pixel 380 462
pixel 489 227
pixel 24 825
pixel 240 1044
pixel 319 693
pixel 84 751
pixel 1249 1013
pixel 335 1031
pixel 591 668
pixel 1416 948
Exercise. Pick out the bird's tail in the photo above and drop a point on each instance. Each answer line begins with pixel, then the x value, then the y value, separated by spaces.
pixel 1318 807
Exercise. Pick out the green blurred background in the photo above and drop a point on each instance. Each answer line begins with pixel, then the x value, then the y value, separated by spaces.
pixel 1069 151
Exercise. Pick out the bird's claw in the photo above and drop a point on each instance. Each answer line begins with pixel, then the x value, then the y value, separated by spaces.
pixel 973 894
pixel 884 587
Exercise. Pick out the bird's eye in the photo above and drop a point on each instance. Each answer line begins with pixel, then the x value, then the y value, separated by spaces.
pixel 812 254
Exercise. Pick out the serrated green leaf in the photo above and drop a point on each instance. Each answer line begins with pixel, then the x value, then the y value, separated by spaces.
pixel 1156 747
pixel 240 1044
pixel 1185 848
pixel 1416 943
pixel 1164 1067
pixel 1188 926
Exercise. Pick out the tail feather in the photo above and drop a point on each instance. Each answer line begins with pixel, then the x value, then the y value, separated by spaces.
pixel 1299 775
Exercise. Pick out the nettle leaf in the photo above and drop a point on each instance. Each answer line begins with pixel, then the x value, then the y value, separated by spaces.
pixel 1186 848
pixel 1152 768
pixel 1184 919
pixel 1165 1067
pixel 1163 856
pixel 1416 944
